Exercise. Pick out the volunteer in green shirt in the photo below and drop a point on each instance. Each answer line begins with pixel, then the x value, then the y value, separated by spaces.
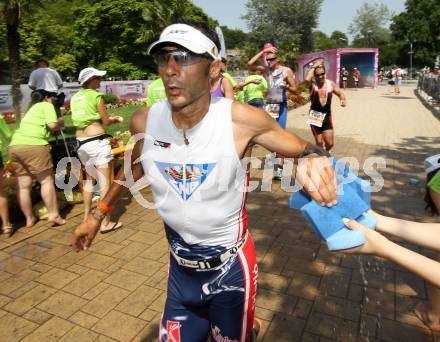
pixel 155 92
pixel 238 94
pixel 5 136
pixel 225 73
pixel 432 194
pixel 29 153
pixel 254 87
pixel 429 312
pixel 89 115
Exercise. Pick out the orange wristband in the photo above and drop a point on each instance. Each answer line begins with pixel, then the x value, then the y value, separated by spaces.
pixel 104 207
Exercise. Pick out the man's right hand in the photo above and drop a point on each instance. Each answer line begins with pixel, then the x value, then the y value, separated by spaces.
pixel 271 49
pixel 318 63
pixel 317 176
pixel 85 233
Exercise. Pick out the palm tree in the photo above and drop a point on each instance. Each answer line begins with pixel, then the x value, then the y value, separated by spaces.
pixel 157 14
pixel 11 12
pixel 11 16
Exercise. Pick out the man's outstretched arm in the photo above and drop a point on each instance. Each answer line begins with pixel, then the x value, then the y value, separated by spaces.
pixel 87 230
pixel 315 173
pixel 340 94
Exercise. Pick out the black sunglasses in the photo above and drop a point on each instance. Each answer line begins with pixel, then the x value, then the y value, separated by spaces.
pixel 271 59
pixel 182 57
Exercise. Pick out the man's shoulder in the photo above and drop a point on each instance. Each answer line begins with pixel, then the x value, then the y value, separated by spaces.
pixel 138 121
pixel 245 114
pixel 286 69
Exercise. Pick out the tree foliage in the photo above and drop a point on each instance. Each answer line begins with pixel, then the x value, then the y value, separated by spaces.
pixel 73 34
pixel 287 20
pixel 370 25
pixel 340 39
pixel 420 24
pixel 11 12
pixel 322 41
pixel 235 38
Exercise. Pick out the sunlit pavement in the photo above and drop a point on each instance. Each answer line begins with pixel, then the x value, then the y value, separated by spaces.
pixel 116 291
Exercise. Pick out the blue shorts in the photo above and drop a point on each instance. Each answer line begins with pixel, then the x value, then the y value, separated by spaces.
pixel 219 303
pixel 282 119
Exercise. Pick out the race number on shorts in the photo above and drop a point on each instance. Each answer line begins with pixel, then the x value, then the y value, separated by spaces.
pixel 273 109
pixel 316 118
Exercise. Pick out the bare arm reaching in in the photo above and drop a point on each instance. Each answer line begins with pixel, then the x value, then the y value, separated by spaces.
pixel 424 234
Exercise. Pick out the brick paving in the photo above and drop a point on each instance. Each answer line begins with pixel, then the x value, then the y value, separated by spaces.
pixel 116 291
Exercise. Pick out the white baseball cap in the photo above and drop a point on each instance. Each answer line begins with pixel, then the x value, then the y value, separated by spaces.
pixel 188 37
pixel 432 163
pixel 88 73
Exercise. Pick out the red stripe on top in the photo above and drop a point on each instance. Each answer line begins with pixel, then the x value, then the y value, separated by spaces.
pixel 242 218
pixel 252 270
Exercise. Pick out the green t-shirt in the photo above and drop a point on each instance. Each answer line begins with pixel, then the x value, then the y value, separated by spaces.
pixel 240 96
pixel 156 92
pixel 434 183
pixel 230 78
pixel 5 134
pixel 33 128
pixel 255 91
pixel 84 107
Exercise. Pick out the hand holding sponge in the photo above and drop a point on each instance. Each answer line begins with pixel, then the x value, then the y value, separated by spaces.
pixel 354 196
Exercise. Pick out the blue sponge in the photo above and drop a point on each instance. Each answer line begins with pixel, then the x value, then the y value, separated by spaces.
pixel 353 203
pixel 299 200
pixel 345 239
pixel 367 220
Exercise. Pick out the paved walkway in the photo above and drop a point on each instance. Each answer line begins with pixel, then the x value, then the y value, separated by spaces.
pixel 116 291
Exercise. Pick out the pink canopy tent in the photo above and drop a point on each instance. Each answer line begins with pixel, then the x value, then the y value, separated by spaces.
pixel 365 59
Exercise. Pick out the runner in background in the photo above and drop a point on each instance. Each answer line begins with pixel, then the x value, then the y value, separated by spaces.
pixel 320 119
pixel 280 79
pixel 155 92
pixel 221 87
pixel 344 75
pixel 397 78
pixel 356 77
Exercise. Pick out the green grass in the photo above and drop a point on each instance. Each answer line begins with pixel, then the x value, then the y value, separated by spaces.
pixel 125 112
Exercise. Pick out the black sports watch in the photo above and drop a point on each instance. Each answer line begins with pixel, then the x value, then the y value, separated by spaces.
pixel 315 150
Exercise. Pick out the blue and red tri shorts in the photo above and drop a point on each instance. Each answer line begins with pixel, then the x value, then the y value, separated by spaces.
pixel 219 303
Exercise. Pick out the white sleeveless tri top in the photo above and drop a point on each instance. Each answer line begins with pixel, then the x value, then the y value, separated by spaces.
pixel 199 188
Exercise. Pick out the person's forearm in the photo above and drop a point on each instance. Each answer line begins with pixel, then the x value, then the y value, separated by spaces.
pixel 422 266
pixel 294 90
pixel 116 190
pixel 254 59
pixel 242 85
pixel 310 74
pixel 423 234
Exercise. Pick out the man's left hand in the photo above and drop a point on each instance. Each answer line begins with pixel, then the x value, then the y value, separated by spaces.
pixel 343 103
pixel 317 176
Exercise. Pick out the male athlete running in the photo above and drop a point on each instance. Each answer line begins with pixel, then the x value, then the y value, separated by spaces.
pixel 320 116
pixel 192 151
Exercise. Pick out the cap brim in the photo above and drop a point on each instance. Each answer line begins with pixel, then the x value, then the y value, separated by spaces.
pixel 182 42
pixel 96 73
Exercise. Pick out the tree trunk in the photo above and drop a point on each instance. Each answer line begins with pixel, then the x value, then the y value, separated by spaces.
pixel 13 38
